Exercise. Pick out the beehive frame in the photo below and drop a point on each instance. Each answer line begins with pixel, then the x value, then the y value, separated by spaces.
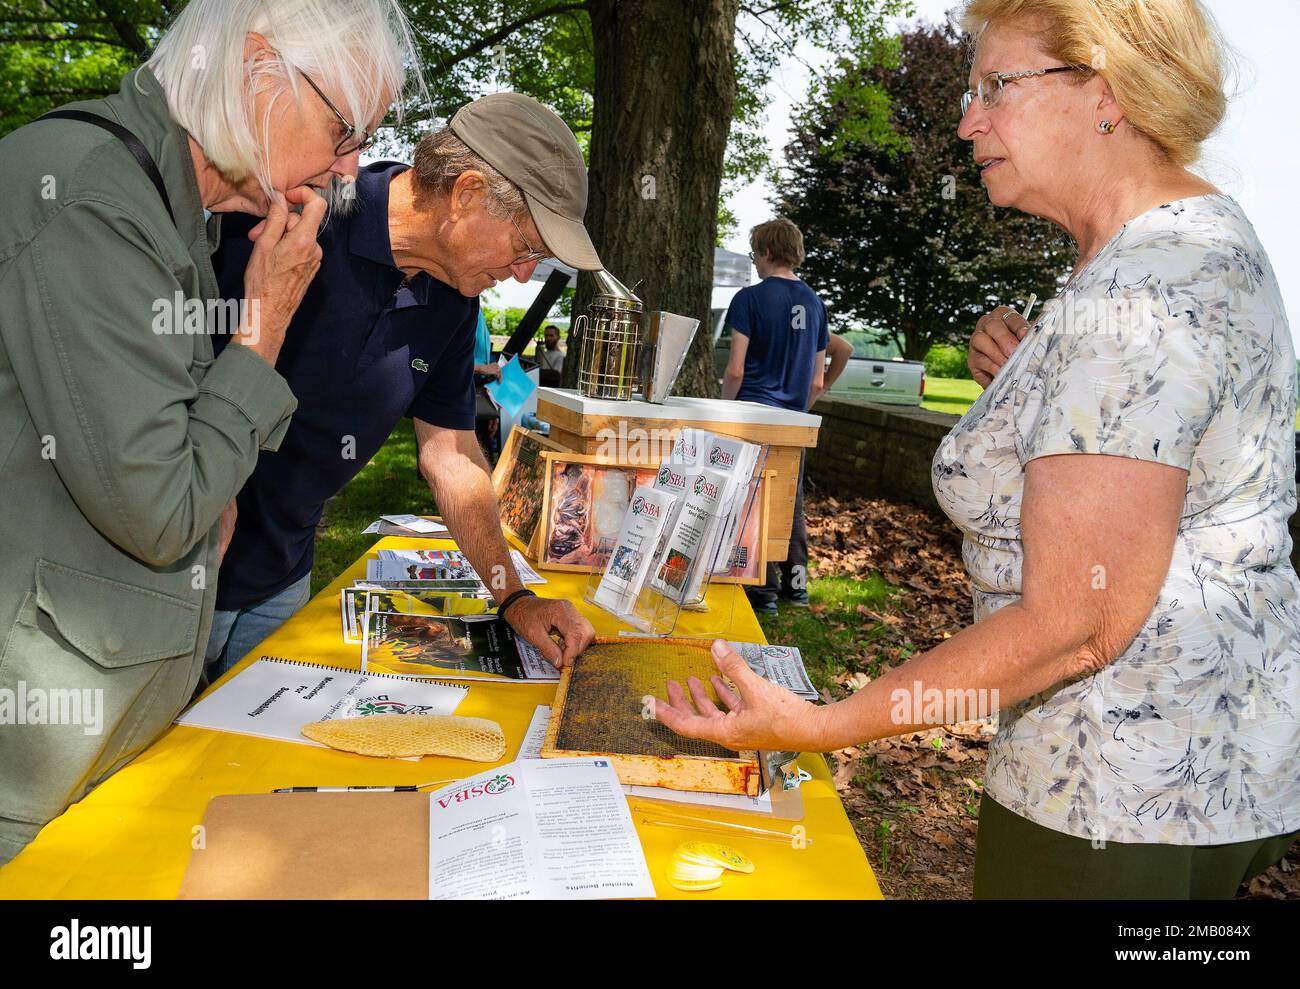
pixel 599 708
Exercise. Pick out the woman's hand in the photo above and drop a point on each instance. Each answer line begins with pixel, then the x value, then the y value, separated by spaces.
pixel 996 337
pixel 761 716
pixel 226 532
pixel 284 261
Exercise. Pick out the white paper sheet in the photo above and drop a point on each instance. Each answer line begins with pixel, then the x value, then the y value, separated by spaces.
pixel 543 829
pixel 274 698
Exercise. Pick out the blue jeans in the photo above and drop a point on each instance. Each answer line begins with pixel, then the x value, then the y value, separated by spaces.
pixel 237 633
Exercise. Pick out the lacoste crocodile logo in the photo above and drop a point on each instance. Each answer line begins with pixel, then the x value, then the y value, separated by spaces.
pixel 419 365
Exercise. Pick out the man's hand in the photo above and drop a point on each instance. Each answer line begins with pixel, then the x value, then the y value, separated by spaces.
pixel 996 337
pixel 226 530
pixel 535 618
pixel 761 716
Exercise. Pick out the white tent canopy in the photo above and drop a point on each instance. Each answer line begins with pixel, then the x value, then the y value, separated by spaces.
pixel 730 270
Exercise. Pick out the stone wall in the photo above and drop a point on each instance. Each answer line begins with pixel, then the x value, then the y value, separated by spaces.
pixel 877 451
pixel 884 451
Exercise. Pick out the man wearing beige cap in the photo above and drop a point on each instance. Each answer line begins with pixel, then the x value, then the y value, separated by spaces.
pixel 387 330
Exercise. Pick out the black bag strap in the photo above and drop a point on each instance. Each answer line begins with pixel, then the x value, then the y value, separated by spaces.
pixel 133 144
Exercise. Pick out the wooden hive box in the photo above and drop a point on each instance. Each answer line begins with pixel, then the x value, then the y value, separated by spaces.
pixel 599 711
pixel 644 433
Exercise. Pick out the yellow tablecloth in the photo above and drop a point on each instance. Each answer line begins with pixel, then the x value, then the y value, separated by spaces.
pixel 131 837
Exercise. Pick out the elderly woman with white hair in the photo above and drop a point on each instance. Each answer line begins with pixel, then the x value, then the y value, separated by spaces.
pixel 1123 486
pixel 124 439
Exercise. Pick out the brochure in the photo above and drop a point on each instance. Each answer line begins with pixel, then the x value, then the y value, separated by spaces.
pixel 406 569
pixel 438 564
pixel 274 698
pixel 683 562
pixel 735 459
pixel 472 586
pixel 474 647
pixel 635 550
pixel 783 665
pixel 353 604
pixel 553 829
pixel 415 523
pixel 689 446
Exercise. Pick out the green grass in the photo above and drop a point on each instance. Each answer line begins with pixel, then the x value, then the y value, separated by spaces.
pixel 826 648
pixel 954 395
pixel 386 486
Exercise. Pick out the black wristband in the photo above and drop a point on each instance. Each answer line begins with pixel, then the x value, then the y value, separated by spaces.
pixel 523 592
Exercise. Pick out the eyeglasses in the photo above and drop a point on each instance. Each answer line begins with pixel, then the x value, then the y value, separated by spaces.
pixel 346 146
pixel 989 88
pixel 532 254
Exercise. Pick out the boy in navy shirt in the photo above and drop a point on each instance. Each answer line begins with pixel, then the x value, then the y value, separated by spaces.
pixel 779 337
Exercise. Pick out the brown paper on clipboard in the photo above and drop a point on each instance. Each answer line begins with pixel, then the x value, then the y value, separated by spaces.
pixel 312 846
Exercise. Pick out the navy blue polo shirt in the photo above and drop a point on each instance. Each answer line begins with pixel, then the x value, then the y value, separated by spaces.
pixel 365 348
pixel 787 327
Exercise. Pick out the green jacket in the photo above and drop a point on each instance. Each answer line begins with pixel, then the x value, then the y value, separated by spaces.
pixel 119 447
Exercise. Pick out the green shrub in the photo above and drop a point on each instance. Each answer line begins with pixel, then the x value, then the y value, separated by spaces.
pixel 946 361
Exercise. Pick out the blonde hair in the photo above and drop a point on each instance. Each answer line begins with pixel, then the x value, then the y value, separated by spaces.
pixel 1163 59
pixel 359 49
pixel 780 240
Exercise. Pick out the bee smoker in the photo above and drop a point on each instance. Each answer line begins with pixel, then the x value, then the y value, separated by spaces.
pixel 617 355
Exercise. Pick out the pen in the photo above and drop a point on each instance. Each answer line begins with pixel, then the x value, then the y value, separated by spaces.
pixel 359 789
pixel 1029 306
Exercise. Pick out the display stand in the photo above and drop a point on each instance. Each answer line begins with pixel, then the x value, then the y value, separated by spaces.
pixel 669 548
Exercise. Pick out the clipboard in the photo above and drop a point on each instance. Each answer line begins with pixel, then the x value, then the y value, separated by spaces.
pixel 312 846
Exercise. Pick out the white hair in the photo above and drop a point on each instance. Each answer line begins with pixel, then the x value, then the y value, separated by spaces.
pixel 357 49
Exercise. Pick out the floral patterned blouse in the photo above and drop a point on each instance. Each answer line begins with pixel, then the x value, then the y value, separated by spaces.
pixel 1170 346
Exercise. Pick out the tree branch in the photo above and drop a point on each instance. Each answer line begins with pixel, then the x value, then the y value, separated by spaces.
pixel 73 92
pixel 503 32
pixel 55 39
pixel 126 30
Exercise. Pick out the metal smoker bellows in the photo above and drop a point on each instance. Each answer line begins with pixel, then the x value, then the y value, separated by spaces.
pixel 609 358
pixel 615 356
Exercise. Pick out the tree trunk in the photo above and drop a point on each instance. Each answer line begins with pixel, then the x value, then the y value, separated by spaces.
pixel 664 95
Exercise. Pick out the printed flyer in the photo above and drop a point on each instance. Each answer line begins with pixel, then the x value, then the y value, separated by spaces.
pixel 474 647
pixel 634 550
pixel 544 829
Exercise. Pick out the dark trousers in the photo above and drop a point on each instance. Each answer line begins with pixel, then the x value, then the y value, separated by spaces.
pixel 791 575
pixel 1018 859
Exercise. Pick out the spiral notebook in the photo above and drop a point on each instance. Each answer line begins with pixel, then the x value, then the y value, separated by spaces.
pixel 274 698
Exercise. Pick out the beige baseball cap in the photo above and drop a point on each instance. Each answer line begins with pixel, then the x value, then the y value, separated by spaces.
pixel 531 146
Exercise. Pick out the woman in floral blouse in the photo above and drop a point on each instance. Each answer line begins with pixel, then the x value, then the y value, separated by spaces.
pixel 1123 486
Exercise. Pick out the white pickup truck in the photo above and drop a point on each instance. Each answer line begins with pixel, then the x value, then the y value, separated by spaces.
pixel 872 379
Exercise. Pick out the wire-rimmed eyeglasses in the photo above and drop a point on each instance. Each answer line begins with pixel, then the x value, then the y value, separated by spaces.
pixel 989 88
pixel 346 146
